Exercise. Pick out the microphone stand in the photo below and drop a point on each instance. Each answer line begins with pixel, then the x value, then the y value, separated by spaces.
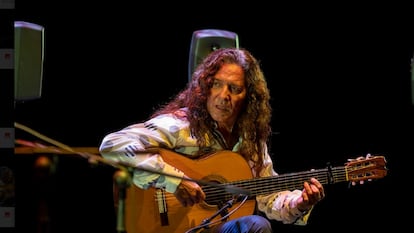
pixel 122 179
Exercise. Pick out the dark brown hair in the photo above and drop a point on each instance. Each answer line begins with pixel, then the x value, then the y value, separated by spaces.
pixel 253 123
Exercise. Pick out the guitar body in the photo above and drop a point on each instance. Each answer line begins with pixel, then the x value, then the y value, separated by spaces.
pixel 156 211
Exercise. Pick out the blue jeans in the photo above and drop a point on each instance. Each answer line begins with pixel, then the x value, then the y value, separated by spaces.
pixel 246 224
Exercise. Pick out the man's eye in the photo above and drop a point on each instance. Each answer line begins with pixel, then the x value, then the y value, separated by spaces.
pixel 236 89
pixel 216 84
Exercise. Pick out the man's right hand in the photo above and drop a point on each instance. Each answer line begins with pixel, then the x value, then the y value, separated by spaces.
pixel 189 193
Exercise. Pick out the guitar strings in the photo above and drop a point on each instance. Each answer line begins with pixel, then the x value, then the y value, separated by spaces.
pixel 266 185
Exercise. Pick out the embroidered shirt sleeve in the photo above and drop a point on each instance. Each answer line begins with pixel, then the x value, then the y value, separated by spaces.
pixel 130 146
pixel 282 206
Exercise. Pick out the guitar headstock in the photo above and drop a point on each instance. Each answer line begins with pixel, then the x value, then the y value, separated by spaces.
pixel 366 168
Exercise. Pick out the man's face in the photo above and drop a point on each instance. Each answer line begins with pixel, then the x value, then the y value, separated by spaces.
pixel 227 95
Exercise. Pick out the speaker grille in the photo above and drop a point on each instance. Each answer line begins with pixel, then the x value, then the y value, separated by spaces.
pixel 28 60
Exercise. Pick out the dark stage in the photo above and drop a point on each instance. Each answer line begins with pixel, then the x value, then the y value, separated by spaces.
pixel 340 82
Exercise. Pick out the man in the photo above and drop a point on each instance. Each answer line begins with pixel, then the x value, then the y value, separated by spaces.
pixel 225 107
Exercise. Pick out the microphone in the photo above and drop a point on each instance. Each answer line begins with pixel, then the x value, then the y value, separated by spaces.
pixel 221 211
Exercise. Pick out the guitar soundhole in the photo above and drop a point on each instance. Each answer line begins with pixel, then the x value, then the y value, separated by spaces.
pixel 216 195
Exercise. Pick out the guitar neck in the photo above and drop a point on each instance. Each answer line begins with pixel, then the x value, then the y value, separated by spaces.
pixel 291 181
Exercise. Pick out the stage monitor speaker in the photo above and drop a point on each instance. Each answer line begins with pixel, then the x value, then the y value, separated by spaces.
pixel 205 41
pixel 28 60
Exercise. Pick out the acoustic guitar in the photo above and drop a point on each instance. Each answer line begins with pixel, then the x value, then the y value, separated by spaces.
pixel 156 211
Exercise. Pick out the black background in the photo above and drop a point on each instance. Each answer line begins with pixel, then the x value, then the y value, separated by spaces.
pixel 339 79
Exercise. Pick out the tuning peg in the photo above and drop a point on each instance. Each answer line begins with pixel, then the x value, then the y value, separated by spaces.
pixel 361 158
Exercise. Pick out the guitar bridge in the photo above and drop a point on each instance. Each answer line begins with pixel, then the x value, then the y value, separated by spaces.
pixel 162 206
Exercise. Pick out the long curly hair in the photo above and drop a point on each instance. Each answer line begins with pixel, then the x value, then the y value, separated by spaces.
pixel 253 123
